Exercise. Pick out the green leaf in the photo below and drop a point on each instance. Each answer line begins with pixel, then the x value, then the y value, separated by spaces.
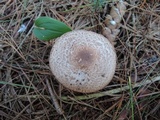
pixel 47 28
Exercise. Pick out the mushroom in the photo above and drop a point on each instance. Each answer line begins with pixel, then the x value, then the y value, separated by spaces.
pixel 83 61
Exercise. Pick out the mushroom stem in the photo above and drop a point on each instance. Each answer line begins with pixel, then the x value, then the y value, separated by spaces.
pixel 54 100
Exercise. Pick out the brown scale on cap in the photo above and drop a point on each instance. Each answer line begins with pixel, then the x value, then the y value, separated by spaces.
pixel 84 57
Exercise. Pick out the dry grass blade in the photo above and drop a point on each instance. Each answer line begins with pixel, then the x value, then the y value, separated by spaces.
pixel 114 91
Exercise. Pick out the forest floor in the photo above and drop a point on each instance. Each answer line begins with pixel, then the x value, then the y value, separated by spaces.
pixel 134 92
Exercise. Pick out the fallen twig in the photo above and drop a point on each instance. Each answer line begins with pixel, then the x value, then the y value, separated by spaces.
pixel 54 100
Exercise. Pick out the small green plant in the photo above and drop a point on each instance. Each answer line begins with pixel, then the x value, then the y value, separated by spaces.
pixel 46 28
pixel 131 98
pixel 98 4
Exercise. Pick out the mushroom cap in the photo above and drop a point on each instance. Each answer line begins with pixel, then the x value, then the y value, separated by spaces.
pixel 83 61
